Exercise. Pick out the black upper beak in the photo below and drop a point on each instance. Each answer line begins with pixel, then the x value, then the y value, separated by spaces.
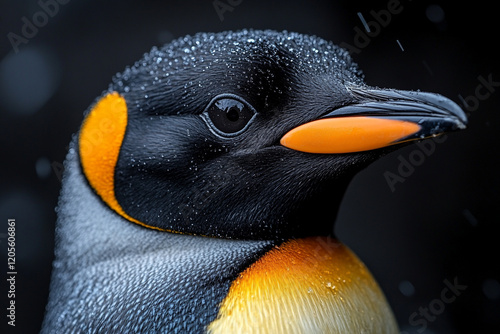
pixel 435 113
pixel 378 118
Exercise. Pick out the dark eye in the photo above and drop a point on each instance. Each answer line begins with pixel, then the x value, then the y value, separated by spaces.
pixel 229 115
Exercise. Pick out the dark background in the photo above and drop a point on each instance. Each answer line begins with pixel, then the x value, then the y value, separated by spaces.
pixel 439 224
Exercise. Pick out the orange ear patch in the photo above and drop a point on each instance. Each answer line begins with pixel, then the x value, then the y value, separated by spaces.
pixel 100 140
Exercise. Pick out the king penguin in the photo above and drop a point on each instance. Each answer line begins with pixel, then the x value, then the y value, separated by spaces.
pixel 200 192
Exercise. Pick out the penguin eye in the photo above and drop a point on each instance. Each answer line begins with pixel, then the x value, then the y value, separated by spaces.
pixel 229 115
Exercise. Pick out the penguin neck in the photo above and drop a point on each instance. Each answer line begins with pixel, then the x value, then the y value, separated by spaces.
pixel 87 227
pixel 92 238
pixel 316 215
pixel 88 231
pixel 97 248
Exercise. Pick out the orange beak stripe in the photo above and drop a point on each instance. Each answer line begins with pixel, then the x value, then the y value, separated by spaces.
pixel 347 134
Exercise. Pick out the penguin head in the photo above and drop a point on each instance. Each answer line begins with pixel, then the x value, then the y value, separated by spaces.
pixel 249 135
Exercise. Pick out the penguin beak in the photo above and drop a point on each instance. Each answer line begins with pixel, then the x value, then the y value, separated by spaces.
pixel 381 118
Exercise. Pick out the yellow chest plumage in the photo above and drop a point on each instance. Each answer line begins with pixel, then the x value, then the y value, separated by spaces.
pixel 313 285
